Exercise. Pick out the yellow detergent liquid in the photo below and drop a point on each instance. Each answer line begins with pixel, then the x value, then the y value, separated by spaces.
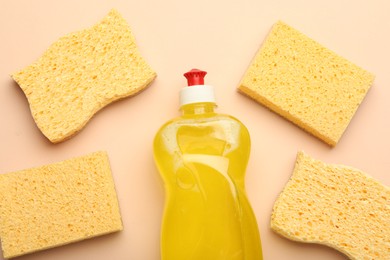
pixel 202 158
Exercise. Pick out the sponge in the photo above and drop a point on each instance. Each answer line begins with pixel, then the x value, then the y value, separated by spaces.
pixel 337 206
pixel 57 204
pixel 306 83
pixel 81 73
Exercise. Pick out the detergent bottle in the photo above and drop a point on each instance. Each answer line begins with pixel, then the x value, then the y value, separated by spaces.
pixel 202 157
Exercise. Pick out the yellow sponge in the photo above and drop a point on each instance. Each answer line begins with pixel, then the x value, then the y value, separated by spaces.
pixel 306 83
pixel 337 206
pixel 81 73
pixel 57 204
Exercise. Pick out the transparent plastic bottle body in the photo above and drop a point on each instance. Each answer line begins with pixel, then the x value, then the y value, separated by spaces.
pixel 202 158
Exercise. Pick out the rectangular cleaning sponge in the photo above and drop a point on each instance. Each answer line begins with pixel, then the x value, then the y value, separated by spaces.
pixel 57 204
pixel 337 206
pixel 306 83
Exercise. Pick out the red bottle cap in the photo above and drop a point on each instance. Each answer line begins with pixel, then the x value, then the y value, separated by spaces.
pixel 195 77
pixel 198 93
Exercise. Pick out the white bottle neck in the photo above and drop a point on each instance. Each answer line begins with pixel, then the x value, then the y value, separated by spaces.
pixel 197 94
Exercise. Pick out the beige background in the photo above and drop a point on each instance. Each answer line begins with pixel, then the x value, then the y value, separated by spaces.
pixel 174 36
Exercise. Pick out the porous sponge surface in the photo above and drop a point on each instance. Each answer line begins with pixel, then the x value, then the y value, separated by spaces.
pixel 57 204
pixel 337 206
pixel 81 73
pixel 306 83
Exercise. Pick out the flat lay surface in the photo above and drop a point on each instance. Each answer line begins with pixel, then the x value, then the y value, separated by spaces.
pixel 220 37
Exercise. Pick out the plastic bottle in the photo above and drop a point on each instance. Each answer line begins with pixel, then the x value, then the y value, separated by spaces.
pixel 202 158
